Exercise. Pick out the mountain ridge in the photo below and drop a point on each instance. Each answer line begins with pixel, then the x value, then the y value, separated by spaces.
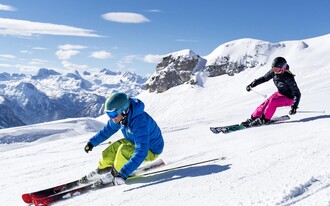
pixel 80 94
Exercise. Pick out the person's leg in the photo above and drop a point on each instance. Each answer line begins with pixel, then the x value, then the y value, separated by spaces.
pixel 125 152
pixel 109 154
pixel 261 108
pixel 105 163
pixel 276 101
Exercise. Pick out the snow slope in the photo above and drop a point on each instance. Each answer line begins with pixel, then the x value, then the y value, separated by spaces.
pixel 281 164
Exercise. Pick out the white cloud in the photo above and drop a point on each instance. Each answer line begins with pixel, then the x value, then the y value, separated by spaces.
pixel 71 47
pixel 6 65
pixel 39 48
pixel 129 59
pixel 101 54
pixel 25 52
pixel 66 51
pixel 37 62
pixel 125 17
pixel 7 56
pixel 4 7
pixel 122 63
pixel 154 10
pixel 66 54
pixel 187 40
pixel 27 68
pixel 15 27
pixel 150 58
pixel 72 66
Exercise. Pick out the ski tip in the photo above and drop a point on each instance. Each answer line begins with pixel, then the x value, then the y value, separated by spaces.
pixel 214 130
pixel 27 198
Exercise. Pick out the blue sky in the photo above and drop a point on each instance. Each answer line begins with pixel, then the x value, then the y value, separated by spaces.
pixel 133 35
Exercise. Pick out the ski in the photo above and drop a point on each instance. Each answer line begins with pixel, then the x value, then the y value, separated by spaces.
pixel 46 200
pixel 147 167
pixel 237 127
pixel 29 197
pixel 178 167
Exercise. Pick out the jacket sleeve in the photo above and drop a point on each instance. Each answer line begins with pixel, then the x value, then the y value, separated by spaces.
pixel 108 130
pixel 268 76
pixel 141 141
pixel 295 91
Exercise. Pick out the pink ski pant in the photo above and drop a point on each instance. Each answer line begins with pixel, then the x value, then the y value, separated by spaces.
pixel 269 106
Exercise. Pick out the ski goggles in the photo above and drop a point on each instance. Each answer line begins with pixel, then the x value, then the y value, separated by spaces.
pixel 279 69
pixel 112 114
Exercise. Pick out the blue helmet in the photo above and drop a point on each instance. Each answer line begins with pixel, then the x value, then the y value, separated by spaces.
pixel 118 102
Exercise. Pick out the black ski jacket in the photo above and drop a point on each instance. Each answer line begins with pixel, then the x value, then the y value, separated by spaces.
pixel 285 84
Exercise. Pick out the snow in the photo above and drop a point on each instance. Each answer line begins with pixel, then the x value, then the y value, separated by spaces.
pixel 185 53
pixel 280 164
pixel 1 99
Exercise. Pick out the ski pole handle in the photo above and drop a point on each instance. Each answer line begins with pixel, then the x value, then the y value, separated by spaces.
pixel 308 111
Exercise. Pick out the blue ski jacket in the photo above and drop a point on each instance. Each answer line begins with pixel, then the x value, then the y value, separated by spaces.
pixel 140 129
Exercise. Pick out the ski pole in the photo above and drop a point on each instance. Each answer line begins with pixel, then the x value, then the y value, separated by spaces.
pixel 258 93
pixel 309 111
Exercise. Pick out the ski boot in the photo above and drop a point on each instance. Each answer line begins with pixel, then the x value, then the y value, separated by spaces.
pixel 94 175
pixel 247 123
pixel 107 178
pixel 259 121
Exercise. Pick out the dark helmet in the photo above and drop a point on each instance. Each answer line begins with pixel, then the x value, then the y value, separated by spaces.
pixel 279 62
pixel 118 102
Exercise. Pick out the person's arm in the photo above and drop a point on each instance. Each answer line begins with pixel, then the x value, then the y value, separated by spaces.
pixel 268 76
pixel 296 95
pixel 108 130
pixel 141 140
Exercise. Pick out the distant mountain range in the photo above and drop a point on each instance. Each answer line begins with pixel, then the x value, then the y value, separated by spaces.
pixel 49 95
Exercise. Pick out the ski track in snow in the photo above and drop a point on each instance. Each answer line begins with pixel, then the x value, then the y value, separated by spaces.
pixel 306 190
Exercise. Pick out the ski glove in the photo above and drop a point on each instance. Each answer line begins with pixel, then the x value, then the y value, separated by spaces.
pixel 88 147
pixel 249 87
pixel 119 180
pixel 293 110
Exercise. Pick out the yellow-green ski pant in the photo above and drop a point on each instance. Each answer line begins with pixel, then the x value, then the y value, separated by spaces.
pixel 118 153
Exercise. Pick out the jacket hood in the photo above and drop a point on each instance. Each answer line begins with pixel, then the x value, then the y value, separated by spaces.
pixel 137 107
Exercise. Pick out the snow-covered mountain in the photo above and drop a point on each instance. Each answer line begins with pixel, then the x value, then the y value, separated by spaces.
pixel 231 58
pixel 281 164
pixel 175 69
pixel 50 95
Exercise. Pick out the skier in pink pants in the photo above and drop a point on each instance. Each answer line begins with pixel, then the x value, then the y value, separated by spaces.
pixel 288 93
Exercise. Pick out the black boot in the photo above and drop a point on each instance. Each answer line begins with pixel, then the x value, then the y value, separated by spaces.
pixel 247 123
pixel 260 121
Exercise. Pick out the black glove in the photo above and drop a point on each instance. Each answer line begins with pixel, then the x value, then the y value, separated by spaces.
pixel 293 110
pixel 249 87
pixel 88 147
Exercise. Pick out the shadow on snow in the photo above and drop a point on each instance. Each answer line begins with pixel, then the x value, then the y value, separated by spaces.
pixel 195 171
pixel 308 119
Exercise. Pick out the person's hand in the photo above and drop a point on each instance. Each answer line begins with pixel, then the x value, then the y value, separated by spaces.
pixel 88 147
pixel 119 180
pixel 293 110
pixel 248 88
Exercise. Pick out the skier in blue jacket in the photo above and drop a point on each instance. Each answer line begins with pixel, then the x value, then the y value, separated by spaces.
pixel 142 141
